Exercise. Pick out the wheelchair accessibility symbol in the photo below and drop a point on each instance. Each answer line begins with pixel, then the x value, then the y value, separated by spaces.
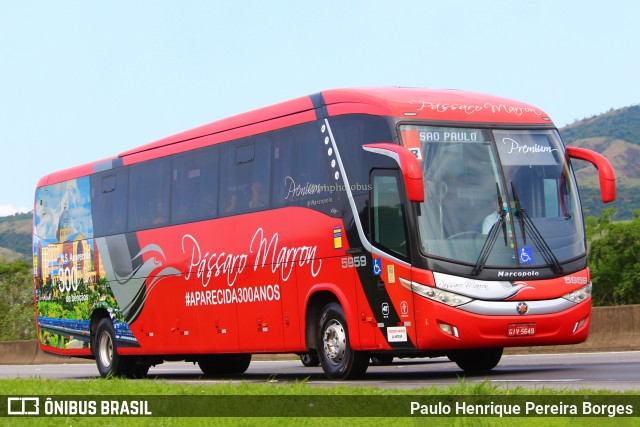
pixel 526 255
pixel 377 266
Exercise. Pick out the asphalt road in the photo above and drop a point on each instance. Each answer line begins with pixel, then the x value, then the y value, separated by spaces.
pixel 616 371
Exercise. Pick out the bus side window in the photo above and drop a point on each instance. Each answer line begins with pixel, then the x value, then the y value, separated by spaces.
pixel 284 167
pixel 244 177
pixel 109 201
pixel 149 194
pixel 301 171
pixel 351 131
pixel 388 225
pixel 194 189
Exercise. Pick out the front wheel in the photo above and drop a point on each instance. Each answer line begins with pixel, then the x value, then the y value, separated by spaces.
pixel 477 361
pixel 338 360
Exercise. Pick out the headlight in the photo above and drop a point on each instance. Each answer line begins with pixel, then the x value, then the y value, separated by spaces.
pixel 579 295
pixel 435 294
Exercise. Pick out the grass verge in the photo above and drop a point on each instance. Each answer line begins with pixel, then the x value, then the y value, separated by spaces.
pixel 244 401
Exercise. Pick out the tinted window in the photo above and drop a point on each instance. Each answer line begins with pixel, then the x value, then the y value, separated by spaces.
pixel 109 201
pixel 194 185
pixel 351 132
pixel 301 176
pixel 149 194
pixel 244 176
pixel 388 213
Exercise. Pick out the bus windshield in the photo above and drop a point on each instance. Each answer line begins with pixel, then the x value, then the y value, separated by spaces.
pixel 496 198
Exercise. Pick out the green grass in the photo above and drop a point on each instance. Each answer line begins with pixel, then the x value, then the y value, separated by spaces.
pixel 339 398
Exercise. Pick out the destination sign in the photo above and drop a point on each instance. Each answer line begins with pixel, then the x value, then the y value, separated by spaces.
pixel 451 135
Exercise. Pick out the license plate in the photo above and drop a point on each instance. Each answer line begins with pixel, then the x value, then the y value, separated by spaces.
pixel 521 329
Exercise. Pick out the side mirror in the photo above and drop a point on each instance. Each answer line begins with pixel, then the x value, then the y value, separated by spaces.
pixel 605 171
pixel 409 165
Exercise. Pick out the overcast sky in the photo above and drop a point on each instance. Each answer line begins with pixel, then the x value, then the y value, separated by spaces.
pixel 85 80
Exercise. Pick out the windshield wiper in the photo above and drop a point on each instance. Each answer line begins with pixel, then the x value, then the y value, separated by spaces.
pixel 527 224
pixel 492 236
pixel 519 212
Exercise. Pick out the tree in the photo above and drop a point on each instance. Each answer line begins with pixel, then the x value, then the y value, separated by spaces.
pixel 614 258
pixel 17 310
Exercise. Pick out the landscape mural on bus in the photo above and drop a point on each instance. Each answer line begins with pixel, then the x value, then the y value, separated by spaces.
pixel 69 278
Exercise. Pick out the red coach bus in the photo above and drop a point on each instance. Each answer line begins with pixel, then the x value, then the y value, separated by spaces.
pixel 347 226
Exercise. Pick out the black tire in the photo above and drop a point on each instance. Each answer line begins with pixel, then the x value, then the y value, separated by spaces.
pixel 224 364
pixel 381 360
pixel 108 361
pixel 310 360
pixel 477 361
pixel 138 370
pixel 338 360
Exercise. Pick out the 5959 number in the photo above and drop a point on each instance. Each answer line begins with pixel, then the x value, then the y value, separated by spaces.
pixel 356 261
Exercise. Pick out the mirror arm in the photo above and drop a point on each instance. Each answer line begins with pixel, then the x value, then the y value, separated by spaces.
pixel 409 165
pixel 605 171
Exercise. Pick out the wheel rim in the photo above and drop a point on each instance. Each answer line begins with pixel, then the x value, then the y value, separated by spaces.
pixel 105 349
pixel 335 342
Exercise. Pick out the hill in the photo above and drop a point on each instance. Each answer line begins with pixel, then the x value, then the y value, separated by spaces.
pixel 616 135
pixel 622 124
pixel 15 237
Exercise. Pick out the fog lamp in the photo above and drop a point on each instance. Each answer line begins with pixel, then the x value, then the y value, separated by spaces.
pixel 449 330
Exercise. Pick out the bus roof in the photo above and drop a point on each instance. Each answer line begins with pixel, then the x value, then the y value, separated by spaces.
pixel 435 105
pixel 410 103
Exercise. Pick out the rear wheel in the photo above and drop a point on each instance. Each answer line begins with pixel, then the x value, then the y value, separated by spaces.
pixel 477 361
pixel 138 370
pixel 338 360
pixel 381 360
pixel 224 364
pixel 310 360
pixel 108 361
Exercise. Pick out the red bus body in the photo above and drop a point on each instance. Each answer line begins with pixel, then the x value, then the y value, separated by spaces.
pixel 317 227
